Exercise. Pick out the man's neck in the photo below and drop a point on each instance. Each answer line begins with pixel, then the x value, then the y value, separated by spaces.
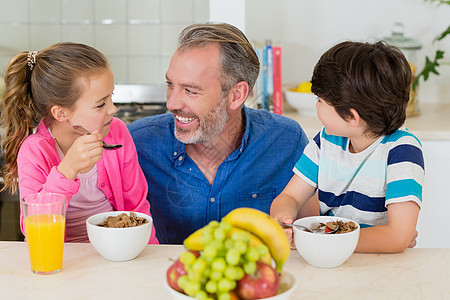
pixel 208 156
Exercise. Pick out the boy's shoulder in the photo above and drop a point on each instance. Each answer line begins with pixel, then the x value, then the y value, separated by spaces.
pixel 401 136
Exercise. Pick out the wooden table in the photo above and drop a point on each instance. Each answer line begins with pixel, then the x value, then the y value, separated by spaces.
pixel 414 274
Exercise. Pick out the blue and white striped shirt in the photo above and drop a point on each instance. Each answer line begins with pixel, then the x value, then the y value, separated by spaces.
pixel 359 186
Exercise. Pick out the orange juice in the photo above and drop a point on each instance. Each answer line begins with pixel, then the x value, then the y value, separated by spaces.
pixel 45 238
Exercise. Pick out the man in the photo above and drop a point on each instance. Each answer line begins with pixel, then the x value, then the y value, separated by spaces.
pixel 212 154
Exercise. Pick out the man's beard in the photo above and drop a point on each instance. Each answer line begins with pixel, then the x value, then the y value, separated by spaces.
pixel 209 126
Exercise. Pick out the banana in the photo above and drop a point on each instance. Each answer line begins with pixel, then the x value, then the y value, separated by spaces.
pixel 264 227
pixel 193 242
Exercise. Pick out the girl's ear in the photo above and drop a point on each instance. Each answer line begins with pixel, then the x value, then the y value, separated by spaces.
pixel 58 113
pixel 238 95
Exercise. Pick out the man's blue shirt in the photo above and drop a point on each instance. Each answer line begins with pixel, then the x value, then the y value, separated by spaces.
pixel 181 198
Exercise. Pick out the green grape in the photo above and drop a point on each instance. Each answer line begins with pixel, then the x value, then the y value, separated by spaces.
pixel 182 280
pixel 241 246
pixel 240 236
pixel 250 267
pixel 206 238
pixel 194 276
pixel 229 272
pixel 234 273
pixel 188 258
pixel 210 251
pixel 224 296
pixel 233 256
pixel 206 273
pixel 226 226
pixel 252 254
pixel 219 264
pixel 220 234
pixel 238 273
pixel 263 250
pixel 217 244
pixel 200 265
pixel 191 288
pixel 201 295
pixel 211 286
pixel 213 224
pixel 215 275
pixel 228 244
pixel 225 285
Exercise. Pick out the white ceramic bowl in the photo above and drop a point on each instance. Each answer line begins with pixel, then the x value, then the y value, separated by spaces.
pixel 325 250
pixel 118 244
pixel 288 285
pixel 304 103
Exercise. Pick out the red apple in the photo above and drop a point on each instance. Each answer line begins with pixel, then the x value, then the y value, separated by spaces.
pixel 175 271
pixel 264 283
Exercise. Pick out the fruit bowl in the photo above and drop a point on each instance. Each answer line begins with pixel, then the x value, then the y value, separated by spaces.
pixel 288 285
pixel 118 244
pixel 325 250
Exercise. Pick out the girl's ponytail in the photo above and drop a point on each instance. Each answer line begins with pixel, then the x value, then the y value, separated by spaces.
pixel 18 115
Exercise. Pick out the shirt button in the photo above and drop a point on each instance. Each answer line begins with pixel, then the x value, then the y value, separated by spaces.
pixel 212 199
pixel 180 158
pixel 175 153
pixel 255 196
pixel 112 198
pixel 102 185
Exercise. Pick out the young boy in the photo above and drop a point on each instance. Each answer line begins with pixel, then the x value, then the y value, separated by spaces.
pixel 364 166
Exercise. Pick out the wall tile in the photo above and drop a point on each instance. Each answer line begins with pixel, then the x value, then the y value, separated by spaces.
pixel 176 11
pixel 170 32
pixel 201 10
pixel 45 11
pixel 114 10
pixel 143 40
pixel 119 67
pixel 143 10
pixel 144 70
pixel 42 36
pixel 110 39
pixel 80 11
pixel 139 39
pixel 14 38
pixel 14 11
pixel 78 33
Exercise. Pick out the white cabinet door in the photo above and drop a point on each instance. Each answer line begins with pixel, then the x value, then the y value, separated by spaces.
pixel 434 218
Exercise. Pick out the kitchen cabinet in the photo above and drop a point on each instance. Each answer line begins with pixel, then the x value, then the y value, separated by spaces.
pixel 432 127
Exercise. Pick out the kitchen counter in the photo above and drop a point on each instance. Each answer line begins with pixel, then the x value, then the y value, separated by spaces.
pixel 433 122
pixel 414 274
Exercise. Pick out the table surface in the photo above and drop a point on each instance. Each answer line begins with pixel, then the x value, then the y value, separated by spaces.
pixel 413 274
pixel 433 122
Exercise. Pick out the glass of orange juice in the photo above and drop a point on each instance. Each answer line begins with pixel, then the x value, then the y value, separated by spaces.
pixel 44 221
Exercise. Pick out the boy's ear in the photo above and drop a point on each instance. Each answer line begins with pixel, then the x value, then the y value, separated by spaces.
pixel 238 95
pixel 355 120
pixel 58 113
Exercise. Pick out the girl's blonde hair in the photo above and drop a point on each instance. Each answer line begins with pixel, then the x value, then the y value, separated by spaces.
pixel 34 82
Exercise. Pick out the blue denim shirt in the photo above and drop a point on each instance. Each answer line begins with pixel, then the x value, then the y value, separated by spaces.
pixel 181 198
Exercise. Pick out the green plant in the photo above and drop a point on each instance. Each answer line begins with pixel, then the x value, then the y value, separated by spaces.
pixel 431 65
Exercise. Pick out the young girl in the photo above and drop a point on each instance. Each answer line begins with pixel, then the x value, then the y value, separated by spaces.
pixel 46 93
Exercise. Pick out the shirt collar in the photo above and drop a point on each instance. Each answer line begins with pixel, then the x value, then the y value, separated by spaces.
pixel 179 148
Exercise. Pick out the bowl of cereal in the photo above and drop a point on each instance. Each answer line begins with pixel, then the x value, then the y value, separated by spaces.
pixel 326 250
pixel 119 235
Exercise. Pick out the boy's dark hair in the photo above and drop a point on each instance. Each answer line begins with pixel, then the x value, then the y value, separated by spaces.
pixel 373 79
